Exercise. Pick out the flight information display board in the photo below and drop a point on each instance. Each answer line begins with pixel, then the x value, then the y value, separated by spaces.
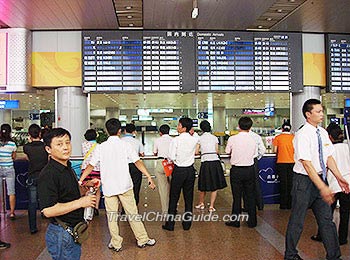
pixel 147 61
pixel 338 62
pixel 243 61
pixel 186 61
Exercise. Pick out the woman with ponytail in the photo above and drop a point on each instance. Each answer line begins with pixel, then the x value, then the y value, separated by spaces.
pixel 7 155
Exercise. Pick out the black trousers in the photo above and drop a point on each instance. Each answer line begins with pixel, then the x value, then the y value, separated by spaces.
pixel 182 179
pixel 344 212
pixel 136 176
pixel 242 179
pixel 258 193
pixel 285 172
pixel 305 195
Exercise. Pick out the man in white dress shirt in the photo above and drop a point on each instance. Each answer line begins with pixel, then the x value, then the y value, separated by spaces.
pixel 135 173
pixel 241 148
pixel 161 149
pixel 182 150
pixel 114 156
pixel 313 153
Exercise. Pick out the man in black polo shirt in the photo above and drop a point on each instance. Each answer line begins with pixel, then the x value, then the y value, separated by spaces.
pixel 59 196
pixel 37 156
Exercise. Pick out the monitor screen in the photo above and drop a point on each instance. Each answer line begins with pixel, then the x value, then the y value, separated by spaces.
pixel 347 102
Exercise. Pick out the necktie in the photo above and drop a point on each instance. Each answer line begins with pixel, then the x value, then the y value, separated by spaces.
pixel 320 155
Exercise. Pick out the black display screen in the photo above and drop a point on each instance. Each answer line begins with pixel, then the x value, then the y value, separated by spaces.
pixel 136 61
pixel 239 61
pixel 338 62
pixel 186 61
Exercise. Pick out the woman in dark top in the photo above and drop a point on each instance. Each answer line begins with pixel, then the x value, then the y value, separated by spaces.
pixel 37 156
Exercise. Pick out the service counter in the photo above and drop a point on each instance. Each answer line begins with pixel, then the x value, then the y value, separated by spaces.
pixel 267 173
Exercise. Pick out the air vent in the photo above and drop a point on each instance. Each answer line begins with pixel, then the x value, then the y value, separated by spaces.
pixel 280 10
pixel 129 13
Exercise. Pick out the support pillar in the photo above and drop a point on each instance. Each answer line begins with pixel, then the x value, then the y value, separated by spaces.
pixel 72 114
pixel 297 101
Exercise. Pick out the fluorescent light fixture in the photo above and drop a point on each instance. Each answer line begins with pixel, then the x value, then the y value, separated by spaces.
pixel 195 13
pixel 195 10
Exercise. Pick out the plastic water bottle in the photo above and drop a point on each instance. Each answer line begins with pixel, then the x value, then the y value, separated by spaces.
pixel 89 211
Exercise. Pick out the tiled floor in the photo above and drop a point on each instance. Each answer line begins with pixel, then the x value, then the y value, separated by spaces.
pixel 205 240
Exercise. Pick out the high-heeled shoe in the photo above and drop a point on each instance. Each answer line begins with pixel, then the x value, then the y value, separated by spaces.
pixel 200 206
pixel 211 209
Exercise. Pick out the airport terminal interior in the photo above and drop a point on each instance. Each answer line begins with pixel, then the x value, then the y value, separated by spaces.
pixel 214 60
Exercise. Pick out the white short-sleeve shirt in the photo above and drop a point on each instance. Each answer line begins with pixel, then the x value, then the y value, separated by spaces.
pixel 114 156
pixel 161 146
pixel 136 144
pixel 182 149
pixel 306 148
pixel 208 143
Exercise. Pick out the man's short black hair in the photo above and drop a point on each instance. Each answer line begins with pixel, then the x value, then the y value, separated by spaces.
pixel 186 122
pixel 34 131
pixel 164 129
pixel 245 123
pixel 335 132
pixel 129 128
pixel 113 126
pixel 55 132
pixel 205 126
pixel 90 135
pixel 309 105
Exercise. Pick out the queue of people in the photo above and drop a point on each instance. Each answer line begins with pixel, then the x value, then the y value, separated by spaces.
pixel 302 161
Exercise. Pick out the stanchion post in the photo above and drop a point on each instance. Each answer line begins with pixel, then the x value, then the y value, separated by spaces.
pixel 3 196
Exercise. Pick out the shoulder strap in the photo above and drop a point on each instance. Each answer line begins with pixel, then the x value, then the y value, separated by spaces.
pixel 90 151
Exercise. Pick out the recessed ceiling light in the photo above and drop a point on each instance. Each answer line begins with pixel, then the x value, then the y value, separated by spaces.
pixel 131 24
pixel 128 7
pixel 129 16
pixel 279 10
pixel 260 26
pixel 268 19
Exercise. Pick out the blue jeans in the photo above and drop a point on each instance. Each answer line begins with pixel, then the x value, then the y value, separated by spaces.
pixel 60 244
pixel 306 195
pixel 33 202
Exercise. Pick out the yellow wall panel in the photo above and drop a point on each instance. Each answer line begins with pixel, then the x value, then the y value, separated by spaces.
pixel 56 69
pixel 314 65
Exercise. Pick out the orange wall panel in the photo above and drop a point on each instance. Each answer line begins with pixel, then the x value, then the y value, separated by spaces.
pixel 56 69
pixel 314 65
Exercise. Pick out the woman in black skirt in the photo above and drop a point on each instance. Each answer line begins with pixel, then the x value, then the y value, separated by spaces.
pixel 211 176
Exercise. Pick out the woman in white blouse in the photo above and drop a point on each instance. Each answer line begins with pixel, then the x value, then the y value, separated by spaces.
pixel 211 176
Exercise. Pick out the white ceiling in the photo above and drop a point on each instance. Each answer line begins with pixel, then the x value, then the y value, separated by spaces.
pixel 311 16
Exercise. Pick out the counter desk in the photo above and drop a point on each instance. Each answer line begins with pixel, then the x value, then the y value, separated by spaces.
pixel 267 173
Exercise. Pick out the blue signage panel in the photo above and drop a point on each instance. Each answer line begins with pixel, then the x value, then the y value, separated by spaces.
pixel 269 180
pixel 9 104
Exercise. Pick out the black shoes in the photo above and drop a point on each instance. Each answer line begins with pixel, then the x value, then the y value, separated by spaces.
pixel 297 257
pixel 232 224
pixel 33 231
pixel 167 227
pixel 343 242
pixel 316 238
pixel 4 245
